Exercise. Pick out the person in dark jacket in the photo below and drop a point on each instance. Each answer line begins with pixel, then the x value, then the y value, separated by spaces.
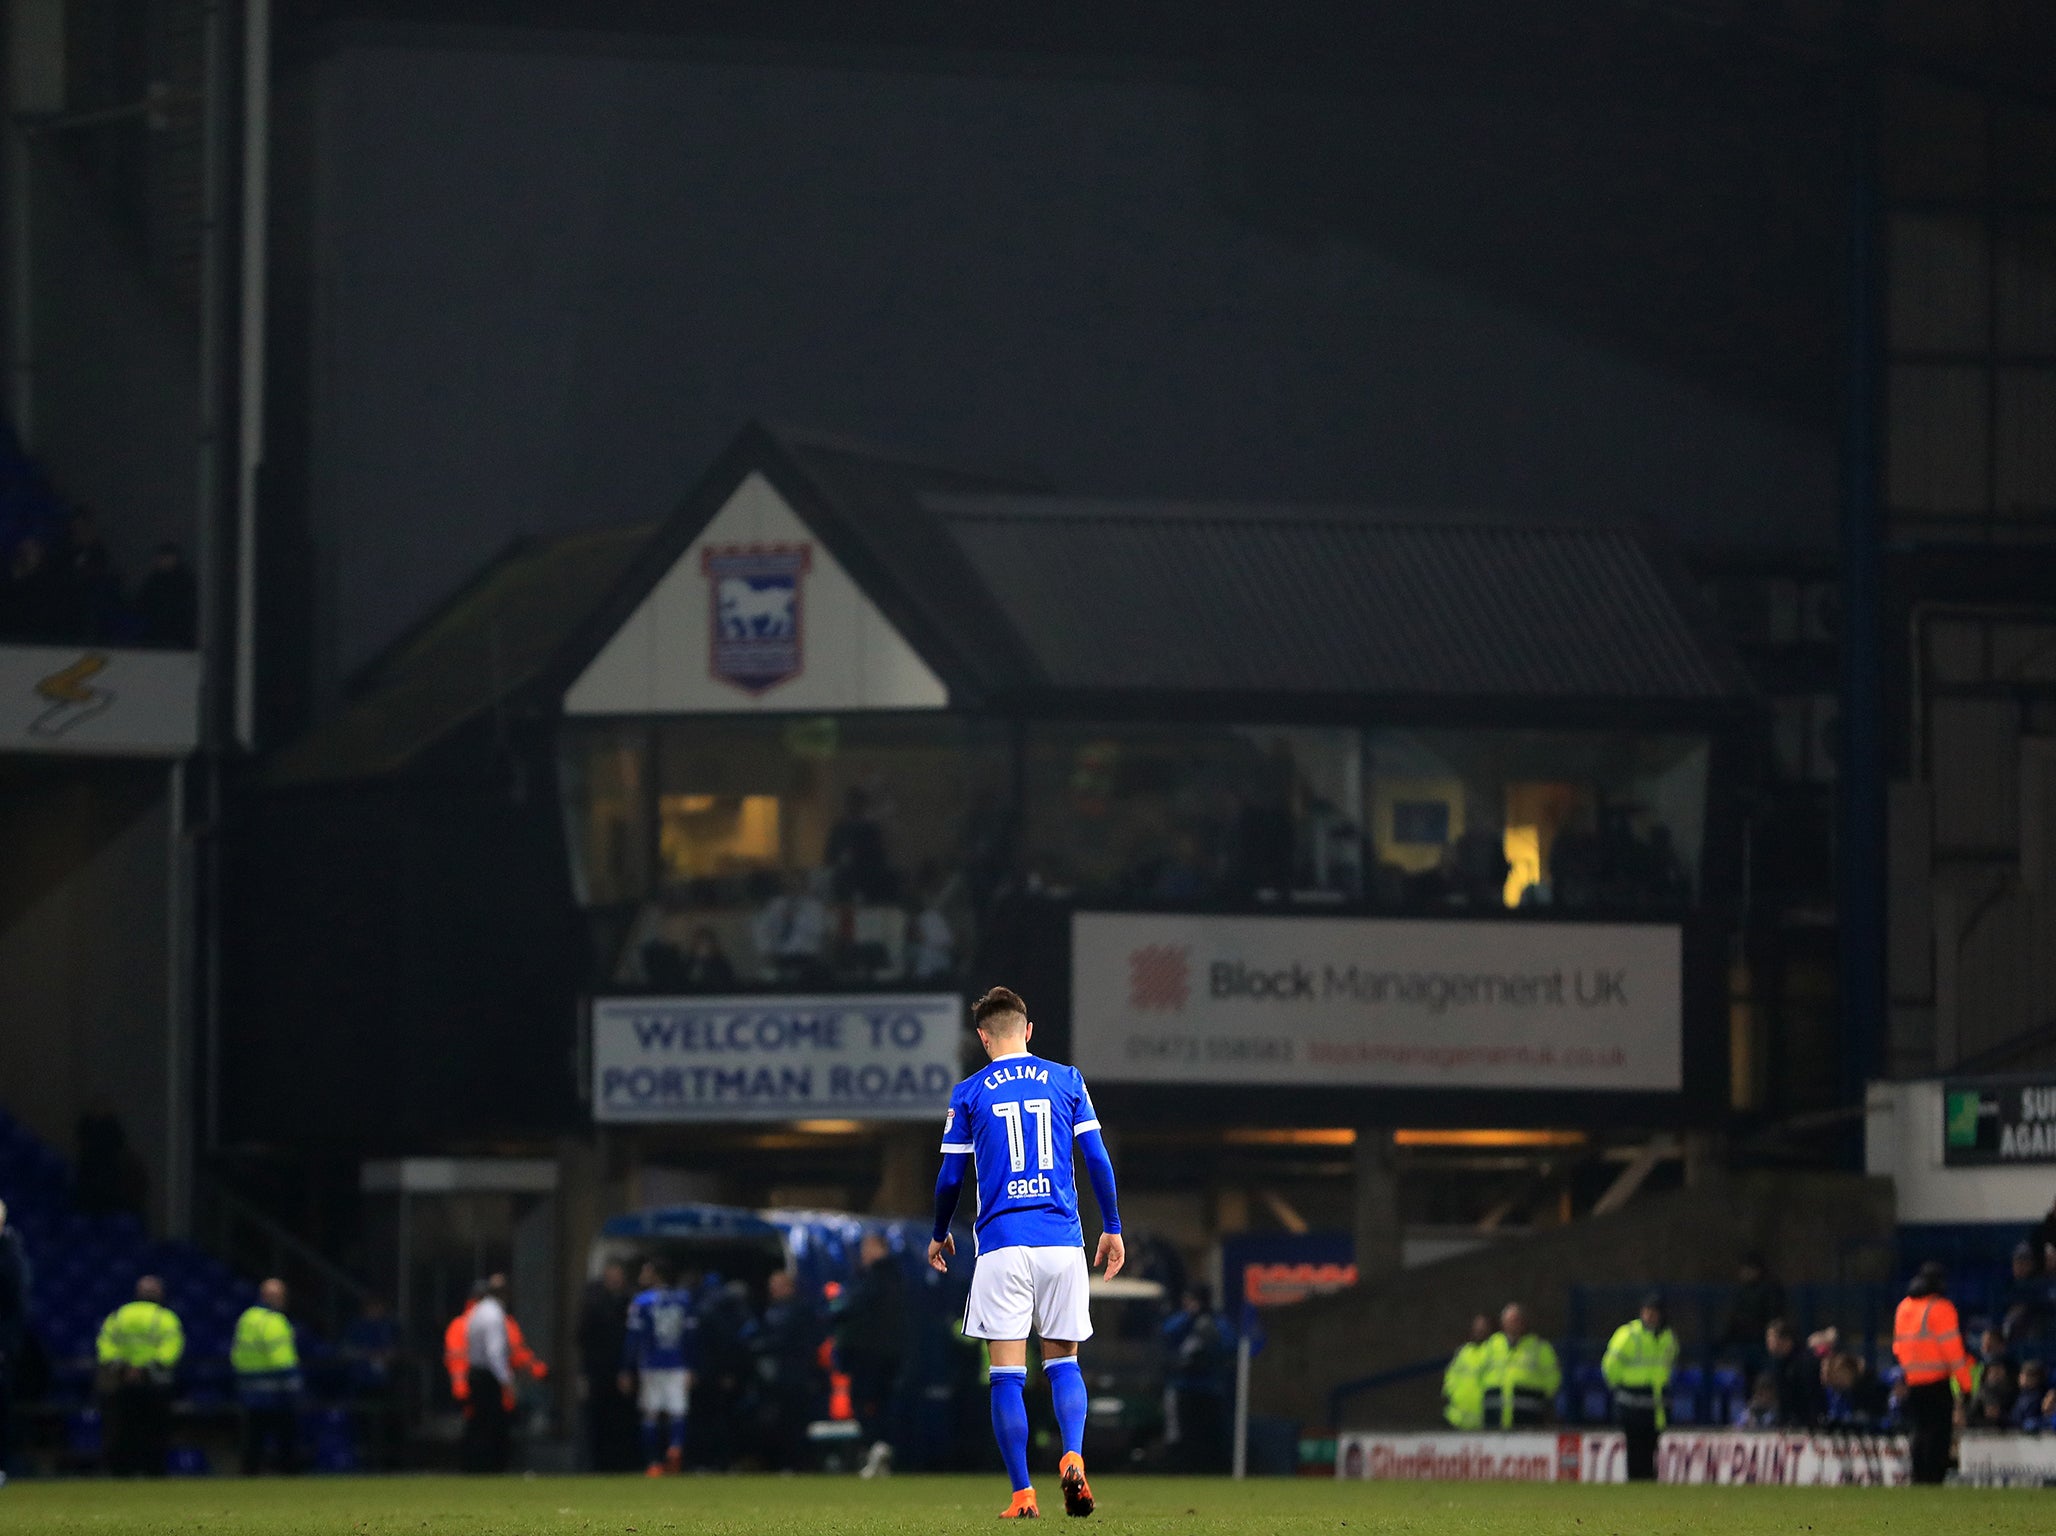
pixel 785 1350
pixel 14 1328
pixel 1794 1374
pixel 610 1418
pixel 707 967
pixel 1759 1302
pixel 167 600
pixel 871 1339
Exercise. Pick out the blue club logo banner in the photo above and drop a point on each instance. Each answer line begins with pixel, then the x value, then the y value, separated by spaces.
pixel 757 600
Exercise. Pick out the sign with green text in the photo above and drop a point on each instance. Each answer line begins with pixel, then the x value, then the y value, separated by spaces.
pixel 1996 1120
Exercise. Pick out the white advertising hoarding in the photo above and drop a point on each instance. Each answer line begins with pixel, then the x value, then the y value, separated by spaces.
pixel 665 1059
pixel 1600 1456
pixel 1992 1459
pixel 1456 1456
pixel 1352 1002
pixel 1801 1458
pixel 88 700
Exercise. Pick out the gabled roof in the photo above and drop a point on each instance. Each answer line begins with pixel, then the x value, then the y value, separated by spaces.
pixel 1016 596
pixel 1195 598
pixel 480 650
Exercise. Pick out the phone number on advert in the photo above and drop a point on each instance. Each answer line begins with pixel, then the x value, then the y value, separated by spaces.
pixel 1211 1048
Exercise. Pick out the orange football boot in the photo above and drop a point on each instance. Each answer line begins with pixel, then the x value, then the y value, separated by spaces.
pixel 674 1459
pixel 1077 1491
pixel 1023 1507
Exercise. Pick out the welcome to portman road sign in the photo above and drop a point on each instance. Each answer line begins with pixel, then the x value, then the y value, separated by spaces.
pixel 856 1056
pixel 1993 1120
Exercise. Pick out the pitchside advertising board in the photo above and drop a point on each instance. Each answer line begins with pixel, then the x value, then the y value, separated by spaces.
pixel 1378 1003
pixel 1601 1456
pixel 1998 1120
pixel 658 1060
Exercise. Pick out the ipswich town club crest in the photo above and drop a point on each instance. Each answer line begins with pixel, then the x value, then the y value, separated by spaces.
pixel 759 622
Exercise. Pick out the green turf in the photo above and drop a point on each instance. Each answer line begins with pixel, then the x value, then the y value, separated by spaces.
pixel 925 1506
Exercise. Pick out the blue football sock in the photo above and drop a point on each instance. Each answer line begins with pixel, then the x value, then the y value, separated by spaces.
pixel 650 1440
pixel 1010 1420
pixel 678 1431
pixel 1067 1391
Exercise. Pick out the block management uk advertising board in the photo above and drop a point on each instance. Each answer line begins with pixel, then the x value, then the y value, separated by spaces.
pixel 1349 1002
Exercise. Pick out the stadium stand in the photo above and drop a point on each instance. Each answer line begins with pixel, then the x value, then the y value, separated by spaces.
pixel 58 583
pixel 84 1265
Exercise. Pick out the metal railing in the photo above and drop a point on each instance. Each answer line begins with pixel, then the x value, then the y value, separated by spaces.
pixel 250 1241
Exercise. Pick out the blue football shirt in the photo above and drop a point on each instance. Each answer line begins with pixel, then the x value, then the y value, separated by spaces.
pixel 662 1331
pixel 1017 1119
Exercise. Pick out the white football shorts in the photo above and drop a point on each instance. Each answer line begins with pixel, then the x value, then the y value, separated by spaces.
pixel 662 1392
pixel 1018 1291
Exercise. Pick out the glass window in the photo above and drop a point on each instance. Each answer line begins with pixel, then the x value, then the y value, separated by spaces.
pixel 1594 819
pixel 1193 813
pixel 605 789
pixel 813 851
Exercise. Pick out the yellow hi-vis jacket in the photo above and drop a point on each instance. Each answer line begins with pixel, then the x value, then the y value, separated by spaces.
pixel 263 1353
pixel 1523 1376
pixel 1463 1387
pixel 147 1334
pixel 1637 1365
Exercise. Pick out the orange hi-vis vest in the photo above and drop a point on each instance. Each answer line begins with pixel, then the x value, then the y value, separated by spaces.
pixel 457 1353
pixel 1927 1340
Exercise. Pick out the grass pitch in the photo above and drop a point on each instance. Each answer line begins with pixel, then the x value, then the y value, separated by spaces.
pixel 931 1506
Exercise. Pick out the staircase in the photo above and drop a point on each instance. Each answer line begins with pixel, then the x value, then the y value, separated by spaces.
pixel 1388 1340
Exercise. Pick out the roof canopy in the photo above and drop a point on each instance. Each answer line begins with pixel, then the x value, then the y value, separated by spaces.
pixel 810 574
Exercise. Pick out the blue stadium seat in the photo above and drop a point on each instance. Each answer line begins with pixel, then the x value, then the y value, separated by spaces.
pixel 1686 1385
pixel 187 1461
pixel 1594 1401
pixel 1729 1393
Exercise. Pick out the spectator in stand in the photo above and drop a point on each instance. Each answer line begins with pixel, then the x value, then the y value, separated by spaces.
pixel 1991 1351
pixel 2024 1306
pixel 1856 1399
pixel 610 1424
pixel 140 1346
pixel 14 1327
pixel 1792 1375
pixel 706 967
pixel 856 853
pixel 111 1177
pixel 89 577
pixel 1759 1302
pixel 2041 1239
pixel 791 934
pixel 1991 1406
pixel 1761 1409
pixel 2033 1403
pixel 167 600
pixel 931 945
pixel 38 600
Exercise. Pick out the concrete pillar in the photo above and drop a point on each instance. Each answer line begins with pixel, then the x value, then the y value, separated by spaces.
pixel 1375 1205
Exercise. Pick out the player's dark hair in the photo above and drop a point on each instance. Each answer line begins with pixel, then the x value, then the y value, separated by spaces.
pixel 996 1002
